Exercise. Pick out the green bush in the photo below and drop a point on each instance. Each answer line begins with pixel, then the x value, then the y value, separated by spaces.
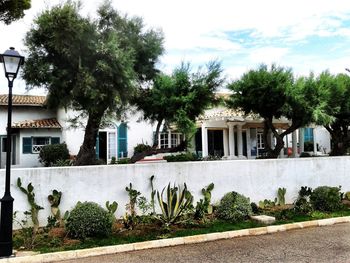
pixel 51 153
pixel 124 161
pixel 305 155
pixel 234 207
pixel 184 157
pixel 326 199
pixel 88 219
pixel 141 147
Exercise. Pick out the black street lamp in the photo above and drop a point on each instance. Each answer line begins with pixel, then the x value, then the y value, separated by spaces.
pixel 12 61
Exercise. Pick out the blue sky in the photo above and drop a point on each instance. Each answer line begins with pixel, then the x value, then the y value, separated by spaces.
pixel 304 35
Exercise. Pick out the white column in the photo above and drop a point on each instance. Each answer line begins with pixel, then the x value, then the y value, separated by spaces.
pixel 169 139
pixel 301 139
pixel 249 145
pixel 204 141
pixel 239 141
pixel 225 135
pixel 282 151
pixel 315 144
pixel 159 140
pixel 294 144
pixel 231 140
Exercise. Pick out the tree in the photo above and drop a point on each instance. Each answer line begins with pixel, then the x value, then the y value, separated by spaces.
pixel 92 66
pixel 273 93
pixel 337 100
pixel 11 10
pixel 180 97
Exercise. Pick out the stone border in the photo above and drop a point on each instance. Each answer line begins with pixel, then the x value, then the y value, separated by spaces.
pixel 98 251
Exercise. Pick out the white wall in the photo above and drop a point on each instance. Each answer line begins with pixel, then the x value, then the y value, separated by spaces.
pixel 257 179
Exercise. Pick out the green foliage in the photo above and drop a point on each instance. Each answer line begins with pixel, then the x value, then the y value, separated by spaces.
pixel 90 65
pixel 180 97
pixel 61 163
pixel 326 198
pixel 133 194
pixel 305 155
pixel 88 219
pixel 281 192
pixel 144 205
pixel 302 204
pixel 26 236
pixel 34 207
pixel 52 154
pixel 13 10
pixel 204 207
pixel 255 208
pixel 347 196
pixel 111 208
pixel 55 200
pixel 184 157
pixel 267 204
pixel 113 160
pixel 141 147
pixel 273 93
pixel 234 207
pixel 124 161
pixel 176 203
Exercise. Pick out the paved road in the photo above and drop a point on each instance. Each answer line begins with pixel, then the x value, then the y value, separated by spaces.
pixel 320 244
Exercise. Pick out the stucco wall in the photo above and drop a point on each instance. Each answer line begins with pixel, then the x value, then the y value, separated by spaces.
pixel 257 179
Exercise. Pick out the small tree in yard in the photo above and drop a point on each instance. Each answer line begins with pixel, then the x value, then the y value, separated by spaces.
pixel 337 100
pixel 91 66
pixel 178 99
pixel 273 93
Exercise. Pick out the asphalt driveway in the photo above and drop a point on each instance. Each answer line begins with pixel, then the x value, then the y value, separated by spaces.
pixel 319 244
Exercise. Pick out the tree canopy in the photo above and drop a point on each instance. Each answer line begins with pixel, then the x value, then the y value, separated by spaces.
pixel 273 93
pixel 180 97
pixel 336 98
pixel 11 10
pixel 92 66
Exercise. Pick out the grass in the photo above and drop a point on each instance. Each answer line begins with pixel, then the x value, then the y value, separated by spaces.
pixel 152 232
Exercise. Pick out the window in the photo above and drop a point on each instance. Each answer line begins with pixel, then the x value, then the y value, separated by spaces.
pixel 122 140
pixel 35 144
pixel 4 145
pixel 175 139
pixel 111 145
pixel 260 140
pixel 163 140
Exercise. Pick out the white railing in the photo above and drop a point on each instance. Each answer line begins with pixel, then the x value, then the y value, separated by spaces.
pixel 37 148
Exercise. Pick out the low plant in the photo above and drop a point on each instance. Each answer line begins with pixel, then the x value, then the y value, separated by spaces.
pixel 142 147
pixel 129 219
pixel 112 208
pixel 51 153
pixel 234 207
pixel 88 219
pixel 204 207
pixel 113 160
pixel 267 204
pixel 55 200
pixel 34 207
pixel 143 205
pixel 153 193
pixel 124 161
pixel 281 192
pixel 25 237
pixel 302 204
pixel 326 199
pixel 305 155
pixel 184 157
pixel 177 201
pixel 60 163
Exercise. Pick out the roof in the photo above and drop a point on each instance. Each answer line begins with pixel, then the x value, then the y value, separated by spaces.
pixel 23 100
pixel 228 114
pixel 41 124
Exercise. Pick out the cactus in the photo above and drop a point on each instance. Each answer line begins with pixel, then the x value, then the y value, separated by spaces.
pixel 281 192
pixel 112 208
pixel 203 206
pixel 176 203
pixel 55 200
pixel 133 194
pixel 34 207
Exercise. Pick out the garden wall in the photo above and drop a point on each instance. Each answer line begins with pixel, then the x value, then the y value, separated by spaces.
pixel 257 179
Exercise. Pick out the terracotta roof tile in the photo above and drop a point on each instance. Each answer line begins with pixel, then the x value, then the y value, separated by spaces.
pixel 23 100
pixel 30 124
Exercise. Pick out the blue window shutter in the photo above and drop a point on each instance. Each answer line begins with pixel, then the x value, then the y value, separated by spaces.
pixel 122 140
pixel 55 140
pixel 97 148
pixel 27 145
pixel 308 135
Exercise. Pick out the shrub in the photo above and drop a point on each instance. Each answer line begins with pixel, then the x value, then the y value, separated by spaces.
pixel 184 157
pixel 305 155
pixel 142 147
pixel 326 198
pixel 51 153
pixel 234 207
pixel 124 161
pixel 302 204
pixel 88 219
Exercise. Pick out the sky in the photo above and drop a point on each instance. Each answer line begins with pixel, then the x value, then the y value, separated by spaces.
pixel 312 35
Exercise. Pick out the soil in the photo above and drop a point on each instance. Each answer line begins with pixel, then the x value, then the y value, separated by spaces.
pixel 57 232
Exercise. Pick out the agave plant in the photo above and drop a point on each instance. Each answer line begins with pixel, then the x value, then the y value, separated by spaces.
pixel 177 201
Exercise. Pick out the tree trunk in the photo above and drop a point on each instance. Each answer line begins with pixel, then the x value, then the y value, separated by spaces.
pixel 156 135
pixel 340 142
pixel 87 152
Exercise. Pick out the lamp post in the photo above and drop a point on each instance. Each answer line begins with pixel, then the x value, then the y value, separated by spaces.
pixel 12 61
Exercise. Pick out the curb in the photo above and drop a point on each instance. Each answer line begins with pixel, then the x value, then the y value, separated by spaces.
pixel 98 251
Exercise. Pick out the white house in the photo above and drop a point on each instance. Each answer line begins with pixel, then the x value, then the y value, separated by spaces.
pixel 221 132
